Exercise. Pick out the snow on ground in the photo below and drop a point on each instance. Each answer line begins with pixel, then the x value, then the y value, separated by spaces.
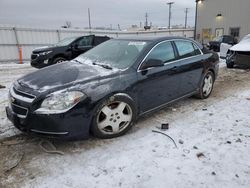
pixel 8 74
pixel 216 129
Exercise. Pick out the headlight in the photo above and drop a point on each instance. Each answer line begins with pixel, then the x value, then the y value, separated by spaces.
pixel 45 53
pixel 60 102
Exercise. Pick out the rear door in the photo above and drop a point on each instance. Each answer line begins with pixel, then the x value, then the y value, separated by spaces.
pixel 191 65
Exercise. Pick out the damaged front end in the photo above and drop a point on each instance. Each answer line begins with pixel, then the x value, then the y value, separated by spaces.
pixel 238 58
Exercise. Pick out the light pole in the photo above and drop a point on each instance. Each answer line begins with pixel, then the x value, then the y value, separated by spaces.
pixel 196 15
pixel 169 15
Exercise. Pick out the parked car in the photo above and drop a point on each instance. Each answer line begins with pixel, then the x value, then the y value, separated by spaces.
pixel 67 49
pixel 215 44
pixel 105 90
pixel 239 54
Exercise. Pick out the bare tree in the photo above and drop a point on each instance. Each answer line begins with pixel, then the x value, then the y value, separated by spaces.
pixel 67 24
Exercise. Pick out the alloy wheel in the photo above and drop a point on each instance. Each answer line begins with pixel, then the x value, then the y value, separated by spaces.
pixel 114 117
pixel 208 85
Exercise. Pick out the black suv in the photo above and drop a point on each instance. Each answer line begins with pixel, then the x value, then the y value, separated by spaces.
pixel 66 49
pixel 215 44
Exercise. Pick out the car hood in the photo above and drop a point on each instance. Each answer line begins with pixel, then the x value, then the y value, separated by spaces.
pixel 63 75
pixel 45 49
pixel 241 47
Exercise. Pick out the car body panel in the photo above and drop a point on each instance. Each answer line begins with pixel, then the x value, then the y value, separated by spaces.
pixel 239 54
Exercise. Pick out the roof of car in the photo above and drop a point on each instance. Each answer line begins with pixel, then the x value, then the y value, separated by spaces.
pixel 151 38
pixel 157 39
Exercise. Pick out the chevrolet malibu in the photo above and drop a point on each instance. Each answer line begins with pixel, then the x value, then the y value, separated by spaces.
pixel 106 89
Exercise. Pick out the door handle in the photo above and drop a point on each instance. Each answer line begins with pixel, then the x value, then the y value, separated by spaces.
pixel 175 68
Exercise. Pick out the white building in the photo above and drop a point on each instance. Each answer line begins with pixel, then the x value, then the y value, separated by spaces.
pixel 222 17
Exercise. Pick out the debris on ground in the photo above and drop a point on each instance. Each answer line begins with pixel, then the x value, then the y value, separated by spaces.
pixel 200 155
pixel 164 126
pixel 165 135
pixel 248 98
pixel 51 147
pixel 13 162
pixel 213 173
pixel 2 87
pixel 238 140
pixel 195 147
pixel 181 141
pixel 229 142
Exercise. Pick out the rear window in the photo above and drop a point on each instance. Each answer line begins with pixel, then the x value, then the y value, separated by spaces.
pixel 186 49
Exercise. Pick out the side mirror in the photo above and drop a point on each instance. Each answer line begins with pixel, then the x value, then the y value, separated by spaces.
pixel 152 63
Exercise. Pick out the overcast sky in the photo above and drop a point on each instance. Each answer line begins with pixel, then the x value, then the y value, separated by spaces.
pixel 54 13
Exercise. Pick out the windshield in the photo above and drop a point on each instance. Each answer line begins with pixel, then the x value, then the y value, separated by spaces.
pixel 119 54
pixel 66 41
pixel 219 39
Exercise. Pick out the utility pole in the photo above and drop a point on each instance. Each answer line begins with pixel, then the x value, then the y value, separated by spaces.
pixel 169 16
pixel 89 19
pixel 119 28
pixel 186 13
pixel 146 16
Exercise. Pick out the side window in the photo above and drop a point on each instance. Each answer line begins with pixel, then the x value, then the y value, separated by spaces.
pixel 186 49
pixel 163 52
pixel 85 41
pixel 228 39
pixel 99 40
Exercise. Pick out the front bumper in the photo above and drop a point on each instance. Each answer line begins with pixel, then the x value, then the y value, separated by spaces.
pixel 71 125
pixel 39 61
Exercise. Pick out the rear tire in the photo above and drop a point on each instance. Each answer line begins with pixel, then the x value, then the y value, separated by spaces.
pixel 206 86
pixel 113 117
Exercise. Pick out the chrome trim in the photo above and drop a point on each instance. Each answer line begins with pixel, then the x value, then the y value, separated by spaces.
pixel 20 97
pixel 45 132
pixel 162 105
pixel 170 40
pixel 19 115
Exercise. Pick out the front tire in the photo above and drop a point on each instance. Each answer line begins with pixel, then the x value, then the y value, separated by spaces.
pixel 230 64
pixel 113 117
pixel 207 86
pixel 58 60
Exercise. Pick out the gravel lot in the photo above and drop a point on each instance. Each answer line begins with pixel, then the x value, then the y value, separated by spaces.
pixel 212 137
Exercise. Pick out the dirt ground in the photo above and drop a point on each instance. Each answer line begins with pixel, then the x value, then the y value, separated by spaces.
pixel 212 136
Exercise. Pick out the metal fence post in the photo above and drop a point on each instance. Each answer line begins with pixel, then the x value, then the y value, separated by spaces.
pixel 58 35
pixel 19 48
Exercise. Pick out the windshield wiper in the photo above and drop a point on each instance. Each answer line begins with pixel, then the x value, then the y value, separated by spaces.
pixel 103 65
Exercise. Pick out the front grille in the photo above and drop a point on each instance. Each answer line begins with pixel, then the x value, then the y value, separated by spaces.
pixel 23 94
pixel 21 112
pixel 34 56
pixel 20 102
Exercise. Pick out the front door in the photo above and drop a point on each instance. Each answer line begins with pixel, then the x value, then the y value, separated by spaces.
pixel 158 85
